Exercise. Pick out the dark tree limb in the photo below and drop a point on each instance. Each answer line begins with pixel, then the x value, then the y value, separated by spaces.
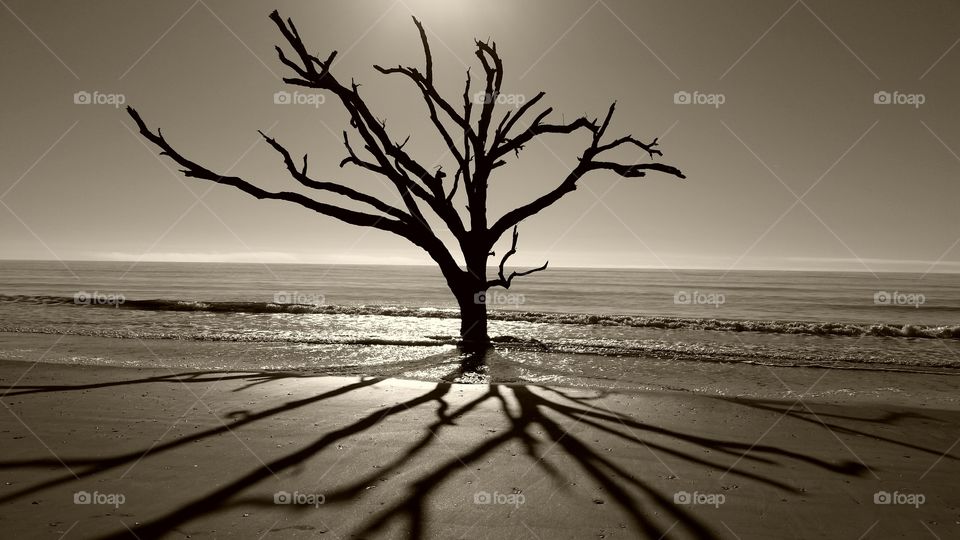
pixel 539 128
pixel 586 164
pixel 493 68
pixel 502 279
pixel 391 160
pixel 636 170
pixel 194 170
pixel 467 112
pixel 434 96
pixel 507 123
pixel 456 182
pixel 301 176
pixel 515 216
pixel 353 159
pixel 425 85
pixel 428 58
pixel 648 147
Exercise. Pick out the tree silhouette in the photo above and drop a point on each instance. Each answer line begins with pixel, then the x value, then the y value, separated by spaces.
pixel 478 148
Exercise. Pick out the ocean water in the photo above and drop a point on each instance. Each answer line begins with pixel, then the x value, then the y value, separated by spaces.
pixel 561 325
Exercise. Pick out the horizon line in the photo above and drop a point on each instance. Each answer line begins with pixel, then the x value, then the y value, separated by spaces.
pixel 598 267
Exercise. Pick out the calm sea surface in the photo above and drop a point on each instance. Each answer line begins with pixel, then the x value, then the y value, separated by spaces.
pixel 385 319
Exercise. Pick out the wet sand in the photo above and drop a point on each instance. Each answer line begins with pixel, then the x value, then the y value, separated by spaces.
pixel 191 454
pixel 937 388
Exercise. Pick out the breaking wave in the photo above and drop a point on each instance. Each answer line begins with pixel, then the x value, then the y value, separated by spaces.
pixel 817 328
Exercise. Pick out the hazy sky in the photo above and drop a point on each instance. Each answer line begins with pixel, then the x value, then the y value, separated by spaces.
pixel 797 168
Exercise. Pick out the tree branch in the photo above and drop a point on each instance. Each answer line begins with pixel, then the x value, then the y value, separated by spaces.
pixel 333 187
pixel 503 130
pixel 636 170
pixel 392 160
pixel 504 280
pixel 538 128
pixel 493 67
pixel 434 96
pixel 515 216
pixel 194 170
pixel 353 159
pixel 467 112
pixel 586 164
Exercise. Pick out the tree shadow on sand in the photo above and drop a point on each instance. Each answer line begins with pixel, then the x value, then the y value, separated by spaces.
pixel 253 378
pixel 539 419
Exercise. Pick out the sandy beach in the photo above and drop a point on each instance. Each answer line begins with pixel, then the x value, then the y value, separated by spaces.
pixel 422 269
pixel 105 452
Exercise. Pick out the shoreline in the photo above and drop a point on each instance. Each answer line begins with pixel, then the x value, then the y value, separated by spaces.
pixel 400 458
pixel 749 380
pixel 801 326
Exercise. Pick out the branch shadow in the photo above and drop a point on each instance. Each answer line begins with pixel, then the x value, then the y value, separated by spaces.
pixel 254 378
pixel 539 419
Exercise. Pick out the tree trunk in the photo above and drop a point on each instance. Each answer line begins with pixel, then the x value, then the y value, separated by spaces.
pixel 473 320
pixel 471 296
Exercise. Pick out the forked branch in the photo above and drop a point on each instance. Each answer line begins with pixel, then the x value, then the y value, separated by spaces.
pixel 586 164
pixel 301 176
pixel 504 280
pixel 194 170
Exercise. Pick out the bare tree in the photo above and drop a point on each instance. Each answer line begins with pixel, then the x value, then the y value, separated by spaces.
pixel 478 148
